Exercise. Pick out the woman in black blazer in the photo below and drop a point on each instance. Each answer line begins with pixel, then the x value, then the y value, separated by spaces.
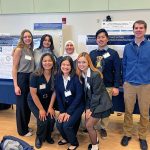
pixel 98 103
pixel 69 95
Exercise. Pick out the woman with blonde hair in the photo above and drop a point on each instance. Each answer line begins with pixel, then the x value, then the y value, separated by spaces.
pixel 98 103
pixel 23 65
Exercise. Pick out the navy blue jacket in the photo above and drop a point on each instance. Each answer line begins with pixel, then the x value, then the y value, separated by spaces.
pixel 70 103
pixel 111 66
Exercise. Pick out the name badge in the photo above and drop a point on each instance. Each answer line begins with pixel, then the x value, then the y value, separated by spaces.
pixel 42 86
pixel 67 93
pixel 27 57
pixel 106 55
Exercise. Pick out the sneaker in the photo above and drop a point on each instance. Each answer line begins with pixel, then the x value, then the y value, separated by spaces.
pixel 143 144
pixel 103 134
pixel 93 147
pixel 90 145
pixel 125 140
pixel 28 134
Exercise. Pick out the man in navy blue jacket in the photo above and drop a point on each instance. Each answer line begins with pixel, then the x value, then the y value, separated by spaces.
pixel 136 76
pixel 108 62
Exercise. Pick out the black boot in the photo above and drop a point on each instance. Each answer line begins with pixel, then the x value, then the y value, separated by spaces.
pixel 38 143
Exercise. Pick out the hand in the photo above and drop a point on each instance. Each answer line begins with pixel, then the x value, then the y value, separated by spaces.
pixel 17 90
pixel 115 91
pixel 51 111
pixel 42 115
pixel 66 117
pixel 88 114
pixel 61 117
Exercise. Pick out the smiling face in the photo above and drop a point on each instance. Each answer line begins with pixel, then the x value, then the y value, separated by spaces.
pixel 27 38
pixel 66 67
pixel 46 42
pixel 82 64
pixel 69 48
pixel 139 30
pixel 102 40
pixel 47 63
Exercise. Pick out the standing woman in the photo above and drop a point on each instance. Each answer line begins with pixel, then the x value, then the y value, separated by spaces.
pixel 98 104
pixel 69 93
pixel 23 65
pixel 46 46
pixel 69 50
pixel 41 99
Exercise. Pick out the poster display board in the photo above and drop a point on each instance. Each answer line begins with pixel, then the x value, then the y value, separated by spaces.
pixel 120 33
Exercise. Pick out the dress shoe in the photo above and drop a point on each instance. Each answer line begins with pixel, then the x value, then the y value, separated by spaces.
pixel 125 140
pixel 38 143
pixel 62 142
pixel 91 148
pixel 50 140
pixel 28 134
pixel 143 144
pixel 72 147
pixel 90 145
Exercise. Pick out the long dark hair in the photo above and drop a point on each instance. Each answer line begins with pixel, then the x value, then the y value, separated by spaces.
pixel 40 71
pixel 72 72
pixel 51 40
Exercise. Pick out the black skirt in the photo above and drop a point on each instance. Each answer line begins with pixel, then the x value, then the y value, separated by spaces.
pixel 103 114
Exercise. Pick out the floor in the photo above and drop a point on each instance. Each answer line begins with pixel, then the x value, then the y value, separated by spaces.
pixel 115 132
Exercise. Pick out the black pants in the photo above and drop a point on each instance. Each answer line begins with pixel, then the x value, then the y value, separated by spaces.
pixel 22 109
pixel 68 129
pixel 44 128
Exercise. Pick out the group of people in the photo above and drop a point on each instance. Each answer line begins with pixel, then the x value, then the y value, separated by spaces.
pixel 73 84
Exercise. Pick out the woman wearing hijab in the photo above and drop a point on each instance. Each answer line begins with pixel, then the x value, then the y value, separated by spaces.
pixel 69 50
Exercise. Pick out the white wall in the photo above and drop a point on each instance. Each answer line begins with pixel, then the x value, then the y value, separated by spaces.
pixel 77 23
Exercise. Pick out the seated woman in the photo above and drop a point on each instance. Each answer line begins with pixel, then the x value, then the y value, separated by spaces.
pixel 69 95
pixel 98 103
pixel 41 99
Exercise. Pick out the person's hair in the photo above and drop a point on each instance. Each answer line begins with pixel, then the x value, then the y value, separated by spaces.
pixel 102 31
pixel 50 39
pixel 40 70
pixel 140 22
pixel 90 65
pixel 21 43
pixel 68 58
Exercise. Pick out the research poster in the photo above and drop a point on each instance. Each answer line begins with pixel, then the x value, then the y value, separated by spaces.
pixel 7 44
pixel 120 33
